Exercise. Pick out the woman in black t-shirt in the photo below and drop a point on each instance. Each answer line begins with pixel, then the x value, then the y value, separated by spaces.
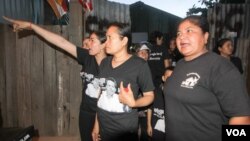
pixel 225 49
pixel 90 60
pixel 117 117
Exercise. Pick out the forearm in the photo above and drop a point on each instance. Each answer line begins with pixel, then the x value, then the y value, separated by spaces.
pixel 244 120
pixel 149 117
pixel 167 63
pixel 145 100
pixel 55 39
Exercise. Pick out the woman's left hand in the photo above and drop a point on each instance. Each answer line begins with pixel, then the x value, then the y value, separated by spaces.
pixel 126 95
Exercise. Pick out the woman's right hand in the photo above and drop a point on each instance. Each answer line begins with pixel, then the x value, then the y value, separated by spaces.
pixel 95 134
pixel 19 25
pixel 149 131
pixel 95 131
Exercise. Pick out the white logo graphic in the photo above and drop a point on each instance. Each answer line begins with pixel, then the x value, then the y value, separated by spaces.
pixel 191 81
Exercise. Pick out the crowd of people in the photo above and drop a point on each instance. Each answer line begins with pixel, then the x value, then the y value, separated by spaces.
pixel 183 92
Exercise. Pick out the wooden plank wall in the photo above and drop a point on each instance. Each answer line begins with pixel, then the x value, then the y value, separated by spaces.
pixel 39 84
pixel 226 18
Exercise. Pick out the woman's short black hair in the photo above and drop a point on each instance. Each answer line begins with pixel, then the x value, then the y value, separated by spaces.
pixel 154 35
pixel 200 21
pixel 101 36
pixel 169 68
pixel 124 30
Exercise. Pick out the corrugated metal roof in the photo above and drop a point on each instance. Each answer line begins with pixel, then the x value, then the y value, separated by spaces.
pixel 22 9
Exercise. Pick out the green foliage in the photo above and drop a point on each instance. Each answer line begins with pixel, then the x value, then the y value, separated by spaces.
pixel 199 10
pixel 209 4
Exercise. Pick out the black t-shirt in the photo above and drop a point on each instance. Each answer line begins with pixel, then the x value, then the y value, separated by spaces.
pixel 200 96
pixel 175 56
pixel 114 117
pixel 158 114
pixel 89 73
pixel 156 63
pixel 237 62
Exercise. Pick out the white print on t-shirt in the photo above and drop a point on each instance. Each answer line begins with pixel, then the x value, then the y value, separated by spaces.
pixel 155 56
pixel 160 124
pixel 191 80
pixel 109 98
pixel 93 89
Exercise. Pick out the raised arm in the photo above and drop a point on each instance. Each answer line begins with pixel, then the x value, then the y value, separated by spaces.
pixel 51 37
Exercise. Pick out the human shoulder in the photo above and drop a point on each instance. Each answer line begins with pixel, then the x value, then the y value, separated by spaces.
pixel 107 59
pixel 81 51
pixel 138 60
pixel 235 59
pixel 220 64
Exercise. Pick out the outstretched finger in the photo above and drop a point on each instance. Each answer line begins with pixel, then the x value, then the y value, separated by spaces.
pixel 121 86
pixel 9 19
pixel 128 88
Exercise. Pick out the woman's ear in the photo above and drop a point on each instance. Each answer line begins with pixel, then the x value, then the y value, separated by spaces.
pixel 219 49
pixel 124 41
pixel 206 37
pixel 103 45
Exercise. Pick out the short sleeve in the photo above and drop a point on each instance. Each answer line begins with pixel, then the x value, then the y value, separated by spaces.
pixel 145 78
pixel 82 55
pixel 230 90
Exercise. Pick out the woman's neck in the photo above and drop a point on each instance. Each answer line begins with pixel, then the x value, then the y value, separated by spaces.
pixel 119 59
pixel 225 55
pixel 100 56
pixel 191 57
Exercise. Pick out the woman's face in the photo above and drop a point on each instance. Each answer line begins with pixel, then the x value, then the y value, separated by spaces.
pixel 95 45
pixel 226 49
pixel 191 40
pixel 114 42
pixel 111 86
pixel 144 54
pixel 172 45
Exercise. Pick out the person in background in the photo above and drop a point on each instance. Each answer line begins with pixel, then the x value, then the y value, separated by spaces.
pixel 129 73
pixel 143 51
pixel 159 58
pixel 156 114
pixel 205 91
pixel 174 53
pixel 225 49
pixel 89 59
